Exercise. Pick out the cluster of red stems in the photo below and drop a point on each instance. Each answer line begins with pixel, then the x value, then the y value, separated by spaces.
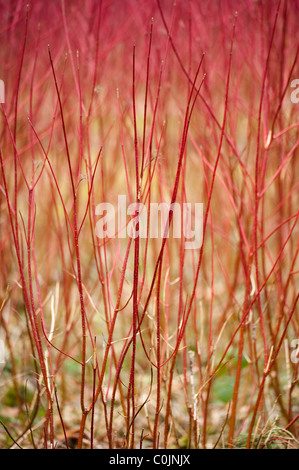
pixel 126 339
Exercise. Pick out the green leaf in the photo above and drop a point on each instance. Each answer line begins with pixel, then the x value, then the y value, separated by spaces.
pixel 223 388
